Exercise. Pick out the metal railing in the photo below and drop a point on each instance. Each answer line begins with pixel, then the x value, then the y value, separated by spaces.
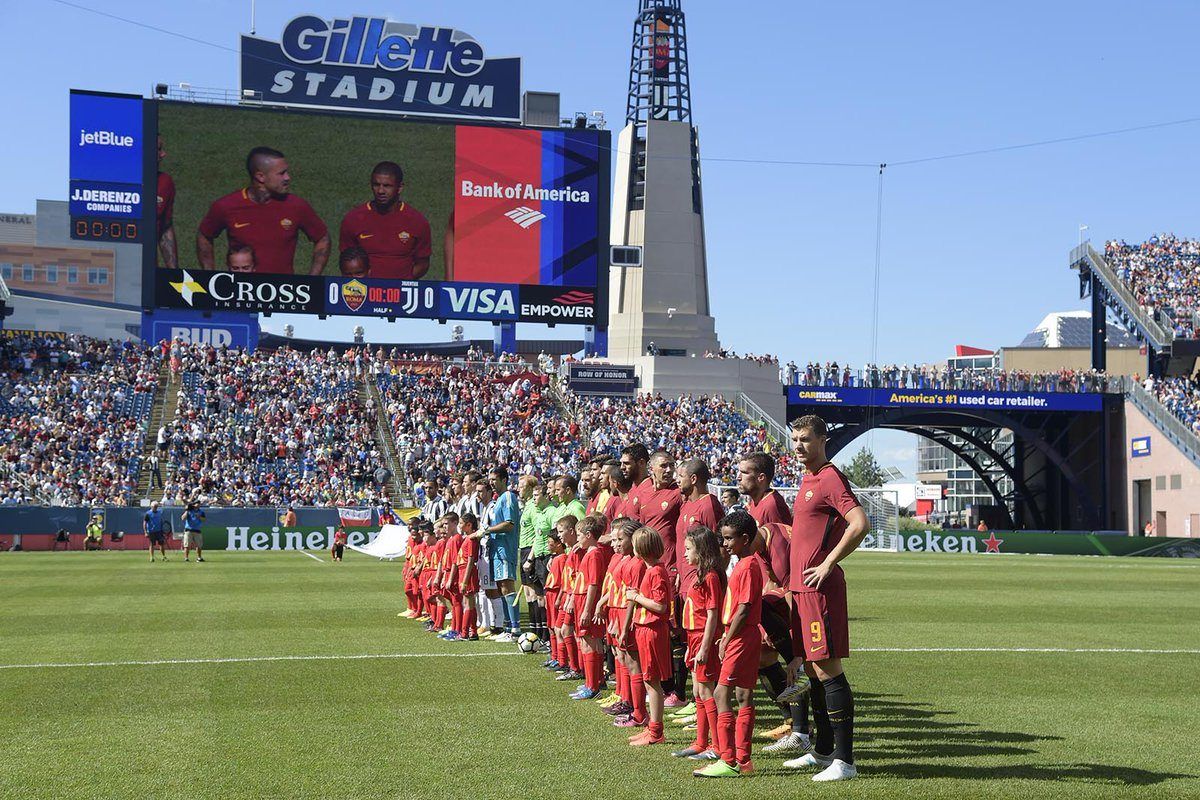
pixel 1160 337
pixel 754 412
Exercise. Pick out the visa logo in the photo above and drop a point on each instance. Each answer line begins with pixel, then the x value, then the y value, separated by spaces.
pixel 481 301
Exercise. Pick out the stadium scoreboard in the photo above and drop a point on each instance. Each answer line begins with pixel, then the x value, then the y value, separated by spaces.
pixel 374 169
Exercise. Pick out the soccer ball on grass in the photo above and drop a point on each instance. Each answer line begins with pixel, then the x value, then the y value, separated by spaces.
pixel 527 643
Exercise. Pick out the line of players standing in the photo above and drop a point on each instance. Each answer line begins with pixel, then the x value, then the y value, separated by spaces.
pixel 652 579
pixel 384 237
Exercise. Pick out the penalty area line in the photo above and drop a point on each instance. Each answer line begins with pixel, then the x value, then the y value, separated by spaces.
pixel 252 660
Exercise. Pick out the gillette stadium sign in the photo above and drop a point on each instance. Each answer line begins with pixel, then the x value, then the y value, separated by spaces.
pixel 375 64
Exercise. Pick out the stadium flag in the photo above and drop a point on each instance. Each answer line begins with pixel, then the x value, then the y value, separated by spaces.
pixel 355 517
pixel 392 542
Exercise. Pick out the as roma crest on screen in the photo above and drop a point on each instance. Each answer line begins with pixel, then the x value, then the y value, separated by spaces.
pixel 354 294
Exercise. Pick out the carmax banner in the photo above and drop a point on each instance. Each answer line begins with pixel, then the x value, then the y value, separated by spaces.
pixel 964 399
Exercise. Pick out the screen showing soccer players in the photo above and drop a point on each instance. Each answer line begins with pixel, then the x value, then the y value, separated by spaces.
pixel 283 193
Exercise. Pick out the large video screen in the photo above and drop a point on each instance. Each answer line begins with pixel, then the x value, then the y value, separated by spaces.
pixel 304 212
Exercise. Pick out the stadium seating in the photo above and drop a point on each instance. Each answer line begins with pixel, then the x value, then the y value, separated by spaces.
pixel 1180 396
pixel 73 413
pixel 1163 274
pixel 272 428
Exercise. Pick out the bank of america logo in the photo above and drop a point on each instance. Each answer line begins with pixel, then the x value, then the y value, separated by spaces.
pixel 575 297
pixel 525 217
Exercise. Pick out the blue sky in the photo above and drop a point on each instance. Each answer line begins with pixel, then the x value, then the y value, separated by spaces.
pixel 974 249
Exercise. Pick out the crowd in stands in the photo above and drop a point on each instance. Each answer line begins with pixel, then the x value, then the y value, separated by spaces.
pixel 1180 396
pixel 449 416
pixel 759 359
pixel 72 418
pixel 708 428
pixel 927 376
pixel 271 428
pixel 1163 274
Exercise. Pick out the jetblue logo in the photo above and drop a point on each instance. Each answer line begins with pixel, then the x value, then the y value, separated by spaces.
pixel 106 138
pixel 374 42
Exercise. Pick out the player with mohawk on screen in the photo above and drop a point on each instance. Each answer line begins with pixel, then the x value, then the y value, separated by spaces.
pixel 266 216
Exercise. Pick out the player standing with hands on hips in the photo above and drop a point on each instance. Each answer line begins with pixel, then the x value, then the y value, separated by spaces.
pixel 828 525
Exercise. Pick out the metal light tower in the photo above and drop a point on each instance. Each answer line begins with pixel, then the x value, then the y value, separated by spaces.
pixel 659 85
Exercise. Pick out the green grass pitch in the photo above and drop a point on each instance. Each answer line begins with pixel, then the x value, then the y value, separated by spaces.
pixel 479 721
pixel 330 159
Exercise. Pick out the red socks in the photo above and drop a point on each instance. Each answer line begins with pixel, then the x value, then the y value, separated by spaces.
pixel 655 729
pixel 725 737
pixel 637 688
pixel 456 613
pixel 745 733
pixel 572 653
pixel 593 670
pixel 710 711
pixel 622 682
pixel 701 743
pixel 467 628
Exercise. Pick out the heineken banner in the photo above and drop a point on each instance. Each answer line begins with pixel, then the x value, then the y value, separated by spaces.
pixel 257 538
pixel 1046 543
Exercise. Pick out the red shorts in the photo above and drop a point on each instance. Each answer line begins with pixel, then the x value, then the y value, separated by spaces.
pixel 565 617
pixel 615 618
pixel 742 656
pixel 710 670
pixel 589 630
pixel 820 624
pixel 552 612
pixel 452 593
pixel 654 650
pixel 472 585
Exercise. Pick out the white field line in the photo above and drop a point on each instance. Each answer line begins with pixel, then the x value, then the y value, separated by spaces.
pixel 253 660
pixel 1130 650
pixel 371 656
pixel 310 555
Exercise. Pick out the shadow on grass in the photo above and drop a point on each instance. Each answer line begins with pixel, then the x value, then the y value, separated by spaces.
pixel 900 739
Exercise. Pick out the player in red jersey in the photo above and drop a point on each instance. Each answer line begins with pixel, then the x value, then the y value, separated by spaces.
pixel 659 506
pixel 468 575
pixel 566 618
pixel 755 474
pixel 792 736
pixel 590 624
pixel 631 578
pixel 168 248
pixel 425 579
pixel 412 571
pixel 699 509
pixel 651 607
pixel 394 234
pixel 739 650
pixel 553 588
pixel 450 576
pixel 621 539
pixel 635 467
pixel 618 489
pixel 441 603
pixel 701 621
pixel 829 525
pixel 266 216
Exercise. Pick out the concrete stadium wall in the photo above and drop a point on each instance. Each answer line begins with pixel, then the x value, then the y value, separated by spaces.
pixel 1174 481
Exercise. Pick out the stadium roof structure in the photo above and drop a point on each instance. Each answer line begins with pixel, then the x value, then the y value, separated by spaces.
pixel 1073 329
